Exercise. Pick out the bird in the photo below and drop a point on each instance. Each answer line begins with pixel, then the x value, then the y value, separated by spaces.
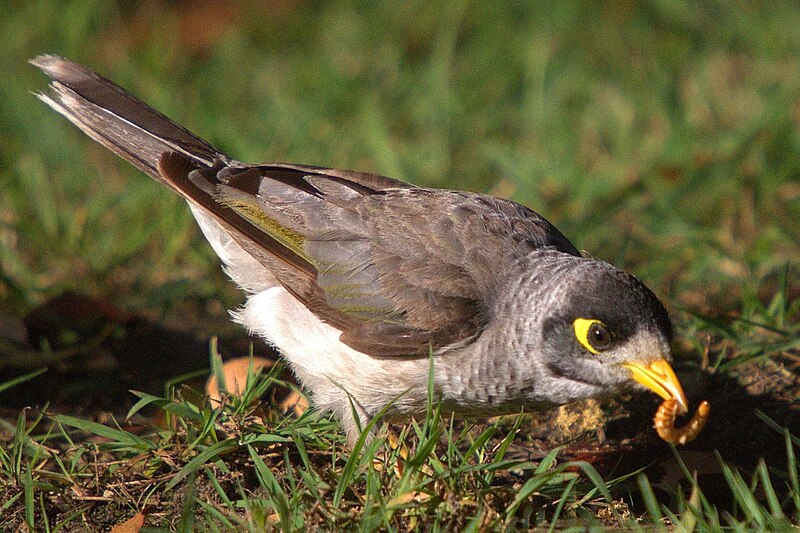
pixel 376 291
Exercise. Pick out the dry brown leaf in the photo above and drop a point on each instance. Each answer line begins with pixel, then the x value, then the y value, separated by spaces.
pixel 409 497
pixel 295 402
pixel 235 372
pixel 132 525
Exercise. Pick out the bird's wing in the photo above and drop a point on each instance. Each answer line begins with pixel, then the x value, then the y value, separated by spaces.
pixel 399 270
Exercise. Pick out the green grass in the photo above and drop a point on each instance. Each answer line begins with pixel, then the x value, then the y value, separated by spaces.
pixel 247 468
pixel 661 136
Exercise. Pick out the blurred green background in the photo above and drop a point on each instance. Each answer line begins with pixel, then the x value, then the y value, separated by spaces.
pixel 662 136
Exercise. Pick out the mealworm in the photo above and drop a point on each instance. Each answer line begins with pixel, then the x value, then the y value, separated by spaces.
pixel 665 422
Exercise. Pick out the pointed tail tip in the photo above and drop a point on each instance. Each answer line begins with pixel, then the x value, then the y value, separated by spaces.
pixel 47 62
pixel 58 68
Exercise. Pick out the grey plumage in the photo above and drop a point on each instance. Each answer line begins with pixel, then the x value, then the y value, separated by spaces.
pixel 388 271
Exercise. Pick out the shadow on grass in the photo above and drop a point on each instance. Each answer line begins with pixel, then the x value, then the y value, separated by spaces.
pixel 96 354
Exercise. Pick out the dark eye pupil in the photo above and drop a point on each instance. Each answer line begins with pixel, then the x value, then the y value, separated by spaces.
pixel 599 337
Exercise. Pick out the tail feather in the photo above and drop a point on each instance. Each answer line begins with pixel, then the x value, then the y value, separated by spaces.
pixel 174 156
pixel 118 120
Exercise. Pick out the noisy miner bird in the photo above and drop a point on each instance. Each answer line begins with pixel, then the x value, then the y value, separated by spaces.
pixel 363 281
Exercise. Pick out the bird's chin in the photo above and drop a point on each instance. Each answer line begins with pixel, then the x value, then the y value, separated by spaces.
pixel 611 383
pixel 573 390
pixel 595 381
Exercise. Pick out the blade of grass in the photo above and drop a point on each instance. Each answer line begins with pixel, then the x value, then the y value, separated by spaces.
pixel 596 479
pixel 744 496
pixel 777 427
pixel 186 522
pixel 11 501
pixel 197 462
pixel 480 442
pixel 217 371
pixel 650 500
pixel 535 483
pixel 27 488
pixel 568 488
pixel 548 461
pixel 43 511
pixel 17 445
pixel 182 409
pixel 276 494
pixel 118 437
pixel 692 514
pixel 13 382
pixel 215 512
pixel 769 491
pixel 356 459
pixel 794 478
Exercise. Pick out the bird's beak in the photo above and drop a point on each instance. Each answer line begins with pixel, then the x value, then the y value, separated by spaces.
pixel 661 379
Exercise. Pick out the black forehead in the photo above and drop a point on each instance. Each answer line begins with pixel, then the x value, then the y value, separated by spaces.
pixel 618 299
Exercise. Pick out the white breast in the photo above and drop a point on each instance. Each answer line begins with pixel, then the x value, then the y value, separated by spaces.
pixel 332 371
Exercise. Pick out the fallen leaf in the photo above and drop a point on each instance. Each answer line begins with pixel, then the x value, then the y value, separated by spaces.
pixel 132 525
pixel 235 372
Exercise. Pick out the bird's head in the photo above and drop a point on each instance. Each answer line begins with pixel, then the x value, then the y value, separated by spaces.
pixel 604 330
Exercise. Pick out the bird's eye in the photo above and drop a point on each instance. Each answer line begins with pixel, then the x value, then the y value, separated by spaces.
pixel 592 334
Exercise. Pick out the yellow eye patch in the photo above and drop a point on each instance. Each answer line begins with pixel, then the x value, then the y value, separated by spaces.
pixel 583 327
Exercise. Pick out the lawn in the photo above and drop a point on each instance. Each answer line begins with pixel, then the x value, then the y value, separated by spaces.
pixel 663 137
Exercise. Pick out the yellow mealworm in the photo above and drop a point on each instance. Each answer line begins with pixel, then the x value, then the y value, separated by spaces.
pixel 665 422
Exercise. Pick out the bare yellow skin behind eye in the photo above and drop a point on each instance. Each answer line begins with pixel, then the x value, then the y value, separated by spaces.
pixel 582 327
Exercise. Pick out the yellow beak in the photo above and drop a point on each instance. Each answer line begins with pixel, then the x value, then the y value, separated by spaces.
pixel 661 379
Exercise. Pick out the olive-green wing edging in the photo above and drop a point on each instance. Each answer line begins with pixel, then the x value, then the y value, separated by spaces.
pixel 340 258
pixel 291 269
